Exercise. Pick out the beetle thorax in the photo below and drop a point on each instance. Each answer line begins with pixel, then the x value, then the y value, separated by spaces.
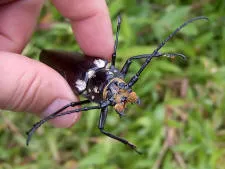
pixel 118 93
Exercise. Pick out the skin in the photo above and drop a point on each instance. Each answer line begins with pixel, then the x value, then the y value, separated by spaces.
pixel 29 86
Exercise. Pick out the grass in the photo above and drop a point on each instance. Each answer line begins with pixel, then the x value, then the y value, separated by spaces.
pixel 180 122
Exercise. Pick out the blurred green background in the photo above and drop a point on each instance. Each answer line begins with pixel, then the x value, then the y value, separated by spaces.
pixel 181 120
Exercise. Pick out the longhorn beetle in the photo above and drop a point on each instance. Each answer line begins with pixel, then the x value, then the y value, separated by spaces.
pixel 99 81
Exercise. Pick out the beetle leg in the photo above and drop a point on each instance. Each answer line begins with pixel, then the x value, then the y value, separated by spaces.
pixel 101 124
pixel 116 41
pixel 148 60
pixel 59 113
pixel 126 66
pixel 156 51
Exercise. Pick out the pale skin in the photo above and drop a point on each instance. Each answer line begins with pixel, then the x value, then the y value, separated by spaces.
pixel 30 86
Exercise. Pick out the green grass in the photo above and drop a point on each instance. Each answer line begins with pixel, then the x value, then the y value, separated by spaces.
pixel 180 122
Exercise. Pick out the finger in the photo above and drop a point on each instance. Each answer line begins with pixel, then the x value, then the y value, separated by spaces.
pixel 30 86
pixel 3 2
pixel 91 24
pixel 18 21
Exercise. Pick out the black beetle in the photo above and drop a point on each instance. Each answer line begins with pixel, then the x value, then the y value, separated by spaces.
pixel 99 81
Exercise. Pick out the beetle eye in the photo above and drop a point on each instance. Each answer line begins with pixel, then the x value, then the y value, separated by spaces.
pixel 122 85
pixel 124 98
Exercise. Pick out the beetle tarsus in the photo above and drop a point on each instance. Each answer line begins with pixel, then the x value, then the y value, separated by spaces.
pixel 29 134
pixel 134 147
pixel 28 138
pixel 172 55
pixel 121 114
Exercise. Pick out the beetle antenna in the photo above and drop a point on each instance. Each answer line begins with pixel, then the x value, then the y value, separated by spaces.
pixel 54 115
pixel 57 114
pixel 157 54
pixel 116 40
pixel 177 30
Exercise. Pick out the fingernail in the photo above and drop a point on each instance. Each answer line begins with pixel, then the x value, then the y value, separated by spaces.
pixel 62 121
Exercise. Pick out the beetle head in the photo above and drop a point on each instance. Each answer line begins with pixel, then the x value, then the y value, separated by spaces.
pixel 120 94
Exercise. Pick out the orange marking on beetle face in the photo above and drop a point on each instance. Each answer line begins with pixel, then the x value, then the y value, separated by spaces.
pixel 121 96
pixel 119 107
pixel 132 98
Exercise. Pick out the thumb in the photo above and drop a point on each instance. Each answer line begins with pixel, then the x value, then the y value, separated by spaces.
pixel 30 86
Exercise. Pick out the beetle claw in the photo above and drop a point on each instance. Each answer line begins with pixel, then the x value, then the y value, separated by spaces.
pixel 138 101
pixel 121 114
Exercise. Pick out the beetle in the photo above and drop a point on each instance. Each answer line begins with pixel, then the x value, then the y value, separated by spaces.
pixel 100 82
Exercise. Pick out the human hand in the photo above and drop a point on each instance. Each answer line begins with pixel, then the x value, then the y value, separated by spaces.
pixel 30 86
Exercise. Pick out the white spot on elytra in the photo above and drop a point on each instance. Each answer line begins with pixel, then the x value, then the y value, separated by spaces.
pixel 80 84
pixel 96 89
pixel 99 63
pixel 110 73
pixel 89 90
pixel 92 97
pixel 90 73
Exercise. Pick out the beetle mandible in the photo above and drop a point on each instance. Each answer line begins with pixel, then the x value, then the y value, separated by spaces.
pixel 99 81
